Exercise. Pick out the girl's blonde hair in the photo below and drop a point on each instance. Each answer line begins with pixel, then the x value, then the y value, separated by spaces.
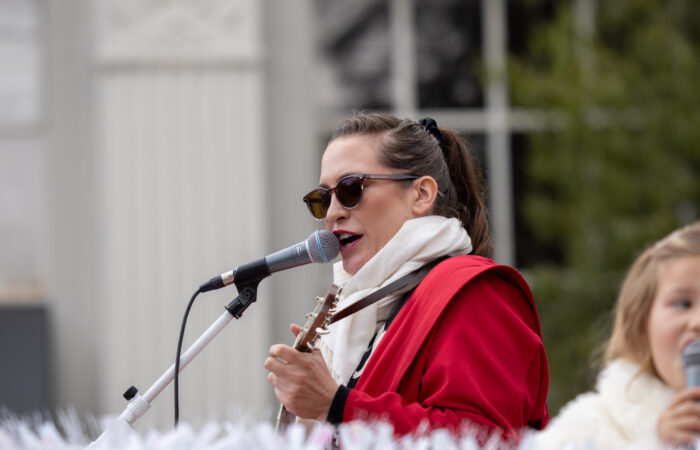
pixel 629 338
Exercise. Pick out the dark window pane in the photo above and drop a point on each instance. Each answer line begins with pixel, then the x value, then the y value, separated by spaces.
pixel 525 17
pixel 529 250
pixel 448 44
pixel 354 42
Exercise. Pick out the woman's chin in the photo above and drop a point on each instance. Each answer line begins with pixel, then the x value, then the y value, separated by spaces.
pixel 349 267
pixel 352 265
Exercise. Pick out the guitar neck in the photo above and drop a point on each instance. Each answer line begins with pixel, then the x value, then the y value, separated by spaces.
pixel 316 324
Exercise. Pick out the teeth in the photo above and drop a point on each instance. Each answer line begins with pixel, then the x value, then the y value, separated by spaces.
pixel 344 235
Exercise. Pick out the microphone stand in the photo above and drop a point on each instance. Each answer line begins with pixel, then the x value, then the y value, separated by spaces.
pixel 139 404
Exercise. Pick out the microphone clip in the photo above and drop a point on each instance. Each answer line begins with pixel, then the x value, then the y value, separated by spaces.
pixel 247 295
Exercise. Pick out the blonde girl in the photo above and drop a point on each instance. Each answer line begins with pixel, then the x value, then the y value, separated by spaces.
pixel 640 399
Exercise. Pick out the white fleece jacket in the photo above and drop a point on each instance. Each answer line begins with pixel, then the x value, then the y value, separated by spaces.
pixel 621 414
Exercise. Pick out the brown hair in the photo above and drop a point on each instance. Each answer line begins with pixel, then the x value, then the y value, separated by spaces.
pixel 408 147
pixel 629 338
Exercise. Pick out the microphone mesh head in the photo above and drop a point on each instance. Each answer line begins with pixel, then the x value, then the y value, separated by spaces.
pixel 323 246
pixel 691 354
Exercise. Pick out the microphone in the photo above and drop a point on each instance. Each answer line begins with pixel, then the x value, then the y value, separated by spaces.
pixel 691 363
pixel 321 246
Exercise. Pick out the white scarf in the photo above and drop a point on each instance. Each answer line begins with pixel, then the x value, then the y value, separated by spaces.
pixel 417 242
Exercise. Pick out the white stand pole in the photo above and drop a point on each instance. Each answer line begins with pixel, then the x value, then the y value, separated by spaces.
pixel 139 404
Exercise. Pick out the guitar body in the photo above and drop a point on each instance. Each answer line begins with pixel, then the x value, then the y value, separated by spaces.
pixel 316 325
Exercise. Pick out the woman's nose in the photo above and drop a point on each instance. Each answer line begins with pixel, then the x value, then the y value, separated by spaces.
pixel 336 212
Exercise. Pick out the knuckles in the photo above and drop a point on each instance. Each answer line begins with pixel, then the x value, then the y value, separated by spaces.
pixel 275 350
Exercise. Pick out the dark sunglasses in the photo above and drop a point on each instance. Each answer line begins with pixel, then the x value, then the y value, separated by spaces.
pixel 348 191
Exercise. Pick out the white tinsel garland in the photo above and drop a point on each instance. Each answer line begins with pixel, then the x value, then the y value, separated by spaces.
pixel 67 433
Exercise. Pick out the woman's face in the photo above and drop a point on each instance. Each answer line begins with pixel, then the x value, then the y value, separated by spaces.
pixel 674 320
pixel 385 205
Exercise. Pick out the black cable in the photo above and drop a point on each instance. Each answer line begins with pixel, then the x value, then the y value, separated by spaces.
pixel 179 350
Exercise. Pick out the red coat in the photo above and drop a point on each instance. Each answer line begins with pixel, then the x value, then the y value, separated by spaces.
pixel 466 345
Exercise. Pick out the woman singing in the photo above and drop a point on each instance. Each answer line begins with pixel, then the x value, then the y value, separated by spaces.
pixel 462 349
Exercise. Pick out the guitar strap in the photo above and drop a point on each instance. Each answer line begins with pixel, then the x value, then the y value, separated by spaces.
pixel 402 285
pixel 352 382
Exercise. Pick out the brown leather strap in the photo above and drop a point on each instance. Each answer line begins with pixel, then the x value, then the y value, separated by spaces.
pixel 400 286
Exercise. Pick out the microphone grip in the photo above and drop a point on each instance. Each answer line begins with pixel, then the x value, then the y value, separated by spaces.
pixel 692 376
pixel 293 256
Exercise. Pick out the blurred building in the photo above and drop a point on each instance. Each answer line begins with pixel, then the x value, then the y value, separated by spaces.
pixel 146 146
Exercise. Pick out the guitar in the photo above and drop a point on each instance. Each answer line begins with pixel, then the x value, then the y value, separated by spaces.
pixel 316 325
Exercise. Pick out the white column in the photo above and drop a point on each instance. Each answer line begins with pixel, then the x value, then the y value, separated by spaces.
pixel 294 150
pixel 181 195
pixel 495 36
pixel 71 199
pixel 403 59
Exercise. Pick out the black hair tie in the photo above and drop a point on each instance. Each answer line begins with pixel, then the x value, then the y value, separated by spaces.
pixel 431 127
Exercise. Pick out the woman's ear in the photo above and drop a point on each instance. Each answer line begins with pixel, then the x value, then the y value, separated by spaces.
pixel 425 189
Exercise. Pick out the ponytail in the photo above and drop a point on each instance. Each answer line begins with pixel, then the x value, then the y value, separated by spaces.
pixel 465 197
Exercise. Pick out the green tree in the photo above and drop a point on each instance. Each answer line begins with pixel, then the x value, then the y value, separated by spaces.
pixel 618 168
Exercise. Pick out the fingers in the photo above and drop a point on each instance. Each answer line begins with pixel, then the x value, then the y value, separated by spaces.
pixel 684 438
pixel 284 359
pixel 689 394
pixel 284 352
pixel 689 409
pixel 679 424
pixel 274 365
pixel 689 423
pixel 295 329
pixel 302 382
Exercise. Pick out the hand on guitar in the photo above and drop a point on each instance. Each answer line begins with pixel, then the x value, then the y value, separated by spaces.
pixel 302 381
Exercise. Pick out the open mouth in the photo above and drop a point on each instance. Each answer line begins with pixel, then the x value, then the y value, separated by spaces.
pixel 347 238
